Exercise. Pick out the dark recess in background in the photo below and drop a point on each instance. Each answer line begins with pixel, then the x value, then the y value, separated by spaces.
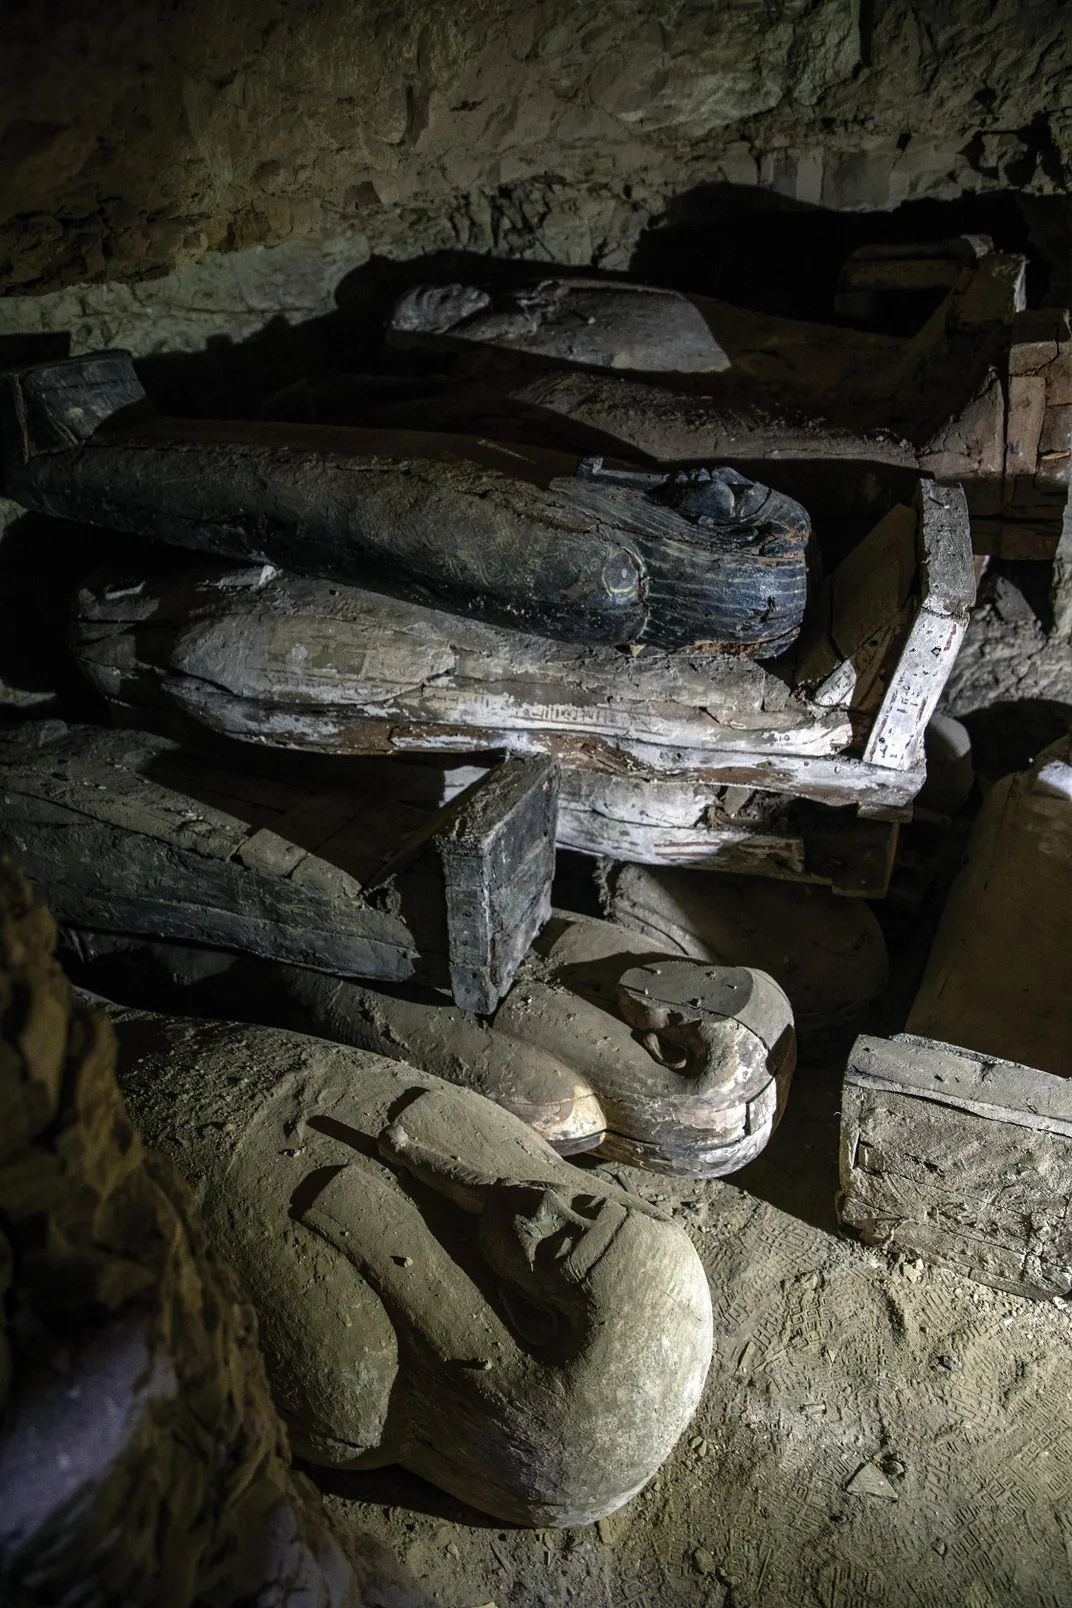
pixel 735 243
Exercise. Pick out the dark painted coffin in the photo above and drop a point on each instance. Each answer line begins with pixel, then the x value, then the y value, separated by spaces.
pixel 557 544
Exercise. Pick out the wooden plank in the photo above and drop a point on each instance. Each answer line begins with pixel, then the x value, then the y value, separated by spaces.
pixel 123 832
pixel 962 1159
pixel 947 577
pixel 498 859
pixel 947 588
pixel 680 823
pixel 1026 410
pixel 1015 538
pixel 950 1074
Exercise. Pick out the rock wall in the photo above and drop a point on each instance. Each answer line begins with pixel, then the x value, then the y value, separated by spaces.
pixel 141 138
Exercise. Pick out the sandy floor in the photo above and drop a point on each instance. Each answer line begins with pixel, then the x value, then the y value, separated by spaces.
pixel 953 1399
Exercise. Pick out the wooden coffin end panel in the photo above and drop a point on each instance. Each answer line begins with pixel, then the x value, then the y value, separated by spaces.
pixel 961 1159
pixel 53 406
pixel 498 859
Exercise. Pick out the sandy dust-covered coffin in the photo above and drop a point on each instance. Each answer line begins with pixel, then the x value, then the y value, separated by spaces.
pixel 435 1287
pixel 554 543
pixel 606 1041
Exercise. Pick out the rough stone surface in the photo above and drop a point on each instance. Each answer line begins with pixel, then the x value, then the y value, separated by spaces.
pixel 550 131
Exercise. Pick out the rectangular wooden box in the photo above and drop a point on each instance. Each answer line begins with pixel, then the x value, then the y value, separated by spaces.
pixel 961 1159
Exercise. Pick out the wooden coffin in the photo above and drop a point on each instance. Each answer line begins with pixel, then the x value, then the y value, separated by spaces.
pixel 294 662
pixel 604 1042
pixel 557 544
pixel 959 1158
pixel 129 833
pixel 999 975
pixel 774 395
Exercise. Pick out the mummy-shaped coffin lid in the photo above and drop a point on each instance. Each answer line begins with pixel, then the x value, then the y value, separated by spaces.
pixel 435 1286
pixel 560 545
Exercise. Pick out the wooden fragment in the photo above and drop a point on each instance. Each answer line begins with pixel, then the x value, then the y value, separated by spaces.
pixel 947 592
pixel 660 822
pixel 125 832
pixel 960 1158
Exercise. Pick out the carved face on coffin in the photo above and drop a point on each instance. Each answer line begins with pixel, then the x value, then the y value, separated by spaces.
pixel 435 1286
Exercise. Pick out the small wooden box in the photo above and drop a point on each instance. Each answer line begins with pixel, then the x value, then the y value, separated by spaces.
pixel 961 1159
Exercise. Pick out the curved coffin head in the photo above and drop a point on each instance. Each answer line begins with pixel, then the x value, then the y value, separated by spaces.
pixel 729 570
pixel 435 1286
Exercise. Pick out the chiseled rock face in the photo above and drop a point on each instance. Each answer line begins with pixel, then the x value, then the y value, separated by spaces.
pixel 178 131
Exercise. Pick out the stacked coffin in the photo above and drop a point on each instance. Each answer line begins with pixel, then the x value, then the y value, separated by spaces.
pixel 403 656
pixel 400 663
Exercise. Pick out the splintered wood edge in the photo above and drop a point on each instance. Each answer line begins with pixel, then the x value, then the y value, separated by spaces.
pixel 947 571
pixel 947 590
pixel 965 1080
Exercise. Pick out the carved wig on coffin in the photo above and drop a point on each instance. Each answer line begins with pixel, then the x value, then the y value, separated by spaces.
pixel 435 1287
pixel 518 534
pixel 606 1041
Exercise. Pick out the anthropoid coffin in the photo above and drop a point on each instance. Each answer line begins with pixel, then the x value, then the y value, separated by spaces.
pixel 606 1042
pixel 559 544
pixel 999 975
pixel 980 393
pixel 300 662
pixel 435 1287
pixel 128 833
pixel 960 1158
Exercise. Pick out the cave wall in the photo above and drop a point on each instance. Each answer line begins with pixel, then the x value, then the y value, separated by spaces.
pixel 147 136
